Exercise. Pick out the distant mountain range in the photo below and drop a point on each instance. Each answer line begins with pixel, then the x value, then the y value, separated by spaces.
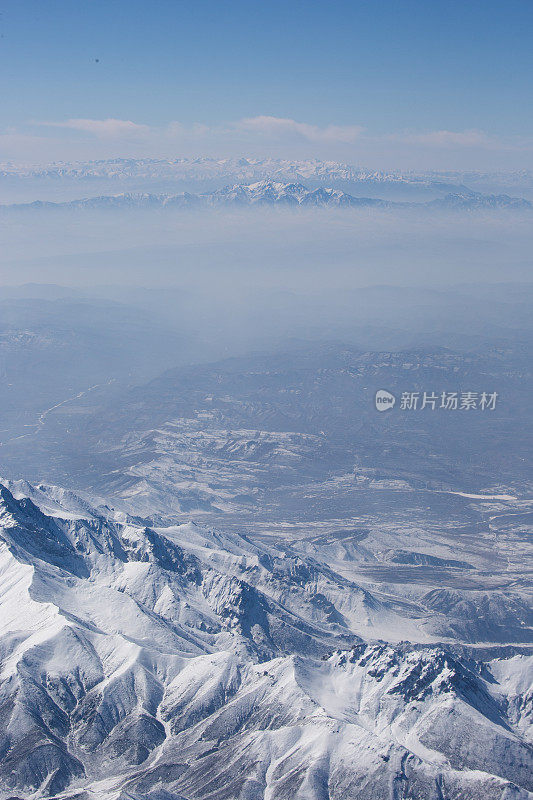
pixel 244 170
pixel 204 168
pixel 275 193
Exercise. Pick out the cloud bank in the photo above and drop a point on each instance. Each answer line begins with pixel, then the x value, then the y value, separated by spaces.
pixel 266 135
pixel 280 127
pixel 103 128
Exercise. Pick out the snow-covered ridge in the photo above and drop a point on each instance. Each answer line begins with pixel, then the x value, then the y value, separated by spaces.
pixel 182 662
pixel 275 193
pixel 249 170
pixel 204 168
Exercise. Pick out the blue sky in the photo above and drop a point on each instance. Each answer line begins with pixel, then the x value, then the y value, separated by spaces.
pixel 405 83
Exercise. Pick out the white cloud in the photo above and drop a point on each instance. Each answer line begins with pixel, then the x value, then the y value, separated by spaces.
pixel 448 139
pixel 265 135
pixel 103 128
pixel 177 129
pixel 280 127
pixel 260 127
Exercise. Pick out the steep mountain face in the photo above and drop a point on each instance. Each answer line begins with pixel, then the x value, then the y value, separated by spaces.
pixel 179 661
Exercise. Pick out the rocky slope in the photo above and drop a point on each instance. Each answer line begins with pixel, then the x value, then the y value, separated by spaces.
pixel 181 662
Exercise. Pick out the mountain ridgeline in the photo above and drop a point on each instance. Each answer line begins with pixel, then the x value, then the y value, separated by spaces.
pixel 274 193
